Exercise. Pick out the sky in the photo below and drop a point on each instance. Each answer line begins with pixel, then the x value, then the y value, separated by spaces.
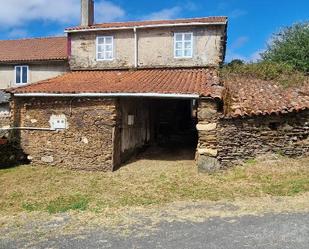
pixel 250 28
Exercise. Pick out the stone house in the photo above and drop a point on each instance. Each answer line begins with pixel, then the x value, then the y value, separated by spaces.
pixel 135 84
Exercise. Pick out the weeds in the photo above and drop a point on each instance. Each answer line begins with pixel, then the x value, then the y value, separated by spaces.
pixel 281 73
pixel 144 183
pixel 65 203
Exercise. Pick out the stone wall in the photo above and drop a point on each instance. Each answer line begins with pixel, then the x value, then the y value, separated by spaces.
pixel 86 144
pixel 244 138
pixel 5 121
pixel 10 151
pixel 155 48
pixel 225 142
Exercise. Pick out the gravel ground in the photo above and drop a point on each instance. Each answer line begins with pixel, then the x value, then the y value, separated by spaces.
pixel 274 231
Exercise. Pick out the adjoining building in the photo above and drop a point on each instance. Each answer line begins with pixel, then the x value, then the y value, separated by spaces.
pixel 27 61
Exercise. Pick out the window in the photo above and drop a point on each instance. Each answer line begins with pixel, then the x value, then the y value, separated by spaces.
pixel 105 48
pixel 183 45
pixel 21 74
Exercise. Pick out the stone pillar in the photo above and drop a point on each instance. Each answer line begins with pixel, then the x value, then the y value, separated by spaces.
pixel 206 154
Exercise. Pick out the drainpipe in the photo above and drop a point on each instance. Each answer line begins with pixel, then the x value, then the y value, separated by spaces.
pixel 135 48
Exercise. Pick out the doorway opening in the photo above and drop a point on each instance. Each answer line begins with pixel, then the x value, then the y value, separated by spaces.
pixel 159 129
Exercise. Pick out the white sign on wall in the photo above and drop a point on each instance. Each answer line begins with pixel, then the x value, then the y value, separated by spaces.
pixel 58 122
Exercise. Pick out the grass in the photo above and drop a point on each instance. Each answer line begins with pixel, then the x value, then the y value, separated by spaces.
pixel 144 183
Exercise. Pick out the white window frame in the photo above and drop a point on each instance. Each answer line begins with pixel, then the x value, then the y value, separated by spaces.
pixel 183 45
pixel 15 79
pixel 97 48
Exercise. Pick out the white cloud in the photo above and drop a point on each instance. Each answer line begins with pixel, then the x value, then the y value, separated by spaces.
pixel 239 42
pixel 169 13
pixel 17 13
pixel 230 55
pixel 254 57
pixel 106 12
pixel 17 33
pixel 227 9
pixel 191 6
pixel 233 53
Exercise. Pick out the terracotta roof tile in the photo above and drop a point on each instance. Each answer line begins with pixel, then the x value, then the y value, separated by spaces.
pixel 37 49
pixel 248 96
pixel 199 81
pixel 208 20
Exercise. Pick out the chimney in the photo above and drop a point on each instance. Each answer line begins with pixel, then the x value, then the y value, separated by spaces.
pixel 87 12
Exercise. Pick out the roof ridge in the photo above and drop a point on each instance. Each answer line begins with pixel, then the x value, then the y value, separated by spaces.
pixel 163 20
pixel 131 23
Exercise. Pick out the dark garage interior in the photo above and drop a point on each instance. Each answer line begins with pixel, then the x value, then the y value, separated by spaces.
pixel 158 128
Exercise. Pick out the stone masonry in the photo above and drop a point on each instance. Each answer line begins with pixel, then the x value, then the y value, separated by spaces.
pixel 207 150
pixel 10 152
pixel 86 144
pixel 240 139
pixel 155 48
pixel 224 142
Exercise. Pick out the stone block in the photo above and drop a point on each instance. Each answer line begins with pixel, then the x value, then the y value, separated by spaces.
pixel 85 140
pixel 47 159
pixel 206 127
pixel 206 113
pixel 207 164
pixel 208 152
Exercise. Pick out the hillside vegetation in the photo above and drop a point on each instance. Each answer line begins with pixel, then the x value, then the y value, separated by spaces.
pixel 285 61
pixel 281 73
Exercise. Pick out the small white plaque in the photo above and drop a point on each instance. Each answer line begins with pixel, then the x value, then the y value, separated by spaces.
pixel 58 122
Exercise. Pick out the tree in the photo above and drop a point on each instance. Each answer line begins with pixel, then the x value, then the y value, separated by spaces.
pixel 236 62
pixel 290 46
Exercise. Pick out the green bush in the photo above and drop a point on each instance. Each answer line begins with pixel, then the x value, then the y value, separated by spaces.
pixel 290 46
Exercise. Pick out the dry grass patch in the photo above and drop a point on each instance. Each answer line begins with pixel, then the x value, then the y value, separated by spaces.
pixel 144 183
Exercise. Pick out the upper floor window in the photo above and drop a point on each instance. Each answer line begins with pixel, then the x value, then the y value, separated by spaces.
pixel 183 45
pixel 105 48
pixel 21 74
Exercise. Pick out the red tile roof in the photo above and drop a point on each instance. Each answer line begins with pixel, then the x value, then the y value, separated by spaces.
pixel 248 96
pixel 207 20
pixel 199 81
pixel 37 49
